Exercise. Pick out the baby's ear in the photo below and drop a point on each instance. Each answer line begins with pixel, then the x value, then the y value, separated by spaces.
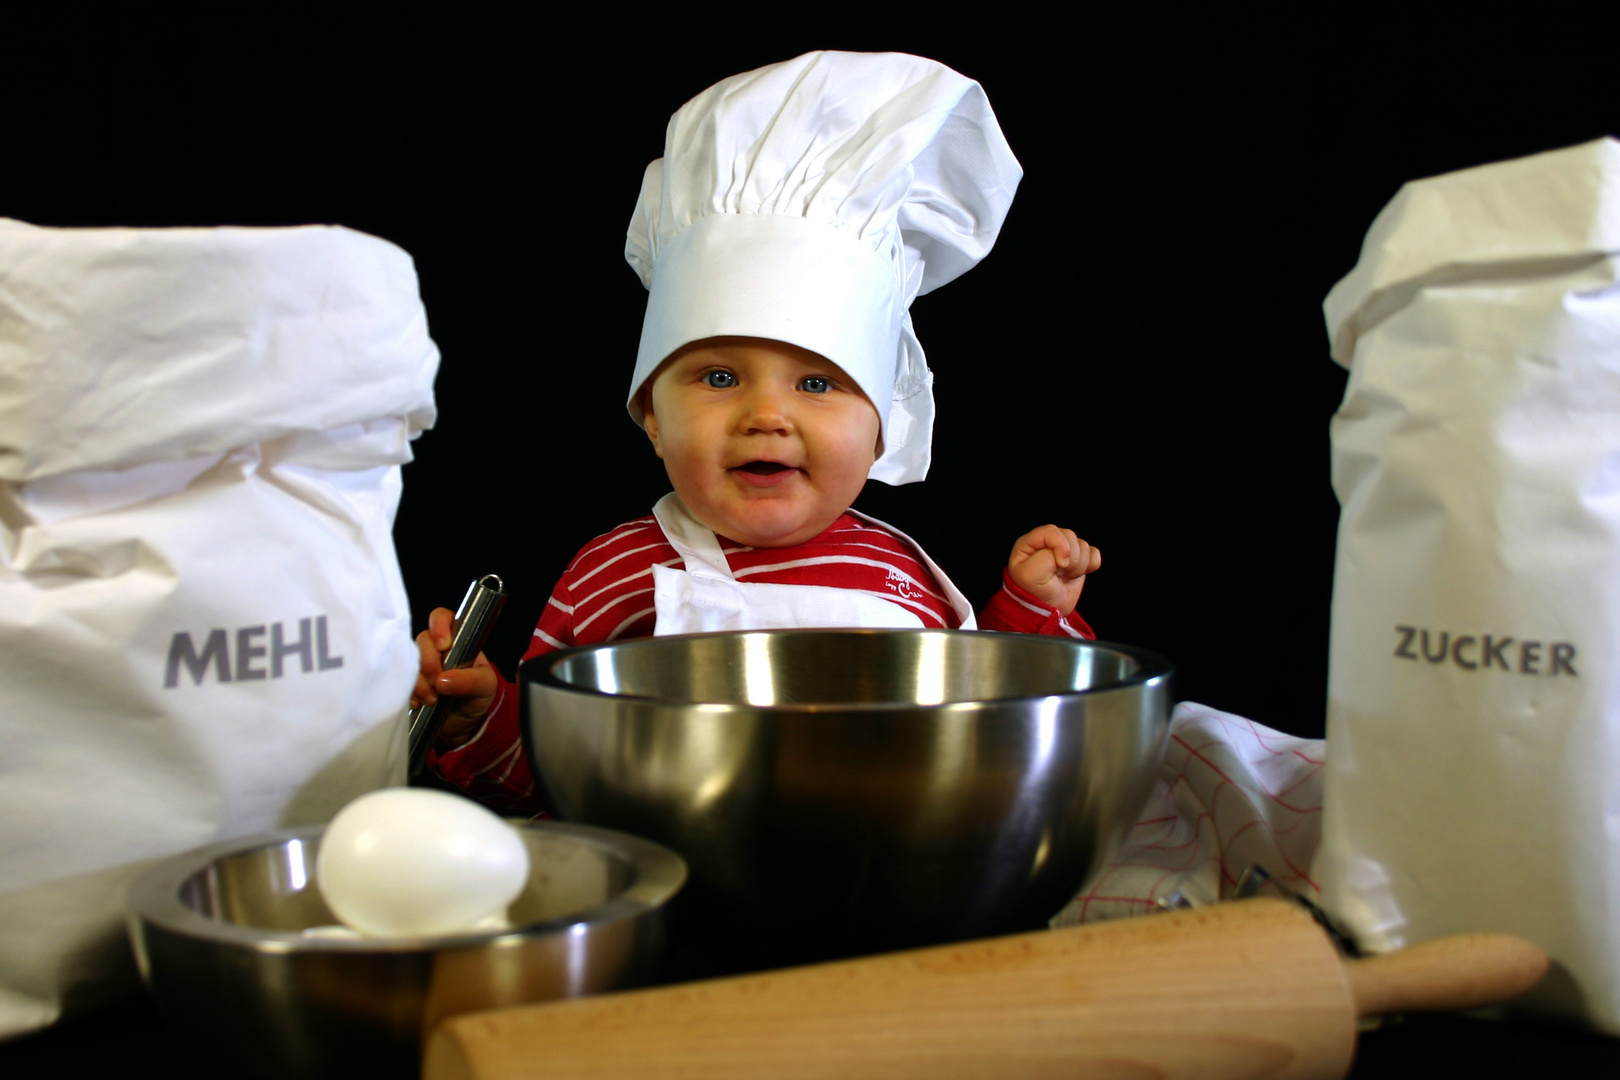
pixel 649 424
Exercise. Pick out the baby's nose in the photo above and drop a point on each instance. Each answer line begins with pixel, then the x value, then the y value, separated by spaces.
pixel 766 409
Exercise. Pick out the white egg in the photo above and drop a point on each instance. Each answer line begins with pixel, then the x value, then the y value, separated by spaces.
pixel 407 862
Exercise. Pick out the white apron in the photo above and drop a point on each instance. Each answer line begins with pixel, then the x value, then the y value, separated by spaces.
pixel 706 596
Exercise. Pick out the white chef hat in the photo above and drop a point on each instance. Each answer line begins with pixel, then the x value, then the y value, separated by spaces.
pixel 810 202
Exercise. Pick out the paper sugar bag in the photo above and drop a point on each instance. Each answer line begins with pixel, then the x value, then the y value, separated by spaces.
pixel 203 632
pixel 1473 763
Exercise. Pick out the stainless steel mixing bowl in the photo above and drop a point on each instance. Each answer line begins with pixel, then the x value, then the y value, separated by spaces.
pixel 217 934
pixel 844 791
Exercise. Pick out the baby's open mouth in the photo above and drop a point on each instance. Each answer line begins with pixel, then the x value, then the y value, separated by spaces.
pixel 763 468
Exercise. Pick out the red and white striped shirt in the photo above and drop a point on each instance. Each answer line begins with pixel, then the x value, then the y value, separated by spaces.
pixel 607 593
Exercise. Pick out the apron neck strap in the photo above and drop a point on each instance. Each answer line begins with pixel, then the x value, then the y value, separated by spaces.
pixel 693 541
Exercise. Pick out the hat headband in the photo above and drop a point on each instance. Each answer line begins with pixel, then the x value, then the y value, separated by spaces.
pixel 781 277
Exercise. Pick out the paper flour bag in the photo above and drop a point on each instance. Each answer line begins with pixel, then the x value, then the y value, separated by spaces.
pixel 1473 763
pixel 203 632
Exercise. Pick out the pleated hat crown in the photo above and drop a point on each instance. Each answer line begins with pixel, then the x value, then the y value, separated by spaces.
pixel 810 202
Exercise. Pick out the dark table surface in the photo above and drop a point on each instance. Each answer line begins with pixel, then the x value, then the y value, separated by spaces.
pixel 130 1042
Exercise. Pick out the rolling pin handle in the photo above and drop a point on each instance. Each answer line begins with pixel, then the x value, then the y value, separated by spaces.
pixel 1463 971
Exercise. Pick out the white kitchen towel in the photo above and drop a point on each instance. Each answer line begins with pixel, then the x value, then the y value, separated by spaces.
pixel 1231 794
pixel 203 631
pixel 1473 767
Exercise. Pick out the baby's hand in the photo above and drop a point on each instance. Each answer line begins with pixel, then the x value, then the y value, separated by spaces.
pixel 1051 564
pixel 474 686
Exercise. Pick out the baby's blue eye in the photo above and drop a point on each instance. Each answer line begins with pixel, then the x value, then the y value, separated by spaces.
pixel 815 384
pixel 720 380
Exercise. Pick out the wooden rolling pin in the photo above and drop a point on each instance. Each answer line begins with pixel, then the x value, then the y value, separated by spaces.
pixel 1246 989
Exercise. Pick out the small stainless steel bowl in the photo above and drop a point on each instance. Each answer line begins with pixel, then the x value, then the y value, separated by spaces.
pixel 217 935
pixel 851 790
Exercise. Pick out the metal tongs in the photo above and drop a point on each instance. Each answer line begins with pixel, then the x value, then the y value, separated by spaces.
pixel 474 620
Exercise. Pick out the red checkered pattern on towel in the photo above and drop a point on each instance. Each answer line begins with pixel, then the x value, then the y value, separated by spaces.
pixel 1231 794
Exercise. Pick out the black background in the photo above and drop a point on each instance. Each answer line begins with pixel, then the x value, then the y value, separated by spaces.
pixel 1142 358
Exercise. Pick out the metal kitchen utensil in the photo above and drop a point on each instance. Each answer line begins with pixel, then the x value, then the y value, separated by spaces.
pixel 482 605
pixel 217 934
pixel 841 791
pixel 1255 881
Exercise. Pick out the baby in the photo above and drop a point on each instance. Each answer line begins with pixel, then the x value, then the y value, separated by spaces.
pixel 796 212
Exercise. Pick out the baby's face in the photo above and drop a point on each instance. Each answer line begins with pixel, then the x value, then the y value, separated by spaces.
pixel 765 442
